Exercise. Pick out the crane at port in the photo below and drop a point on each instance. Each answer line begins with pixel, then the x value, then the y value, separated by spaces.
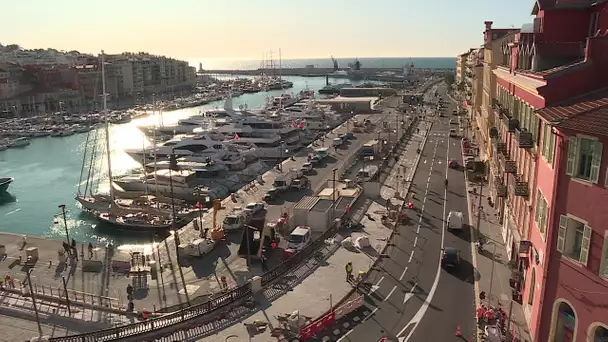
pixel 335 63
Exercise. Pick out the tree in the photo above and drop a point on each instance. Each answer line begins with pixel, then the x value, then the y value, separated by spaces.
pixel 449 79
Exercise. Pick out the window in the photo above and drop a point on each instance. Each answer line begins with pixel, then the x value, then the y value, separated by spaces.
pixel 541 213
pixel 604 261
pixel 593 23
pixel 574 239
pixel 584 159
pixel 547 143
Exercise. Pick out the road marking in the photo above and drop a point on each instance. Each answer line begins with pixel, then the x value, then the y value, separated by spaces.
pixel 411 256
pixel 415 240
pixel 403 273
pixel 368 316
pixel 377 286
pixel 425 306
pixel 390 293
pixel 410 294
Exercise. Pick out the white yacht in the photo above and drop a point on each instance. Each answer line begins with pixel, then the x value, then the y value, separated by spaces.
pixel 19 142
pixel 200 146
pixel 210 181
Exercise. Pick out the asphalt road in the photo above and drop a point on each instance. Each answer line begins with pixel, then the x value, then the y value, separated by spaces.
pixel 411 296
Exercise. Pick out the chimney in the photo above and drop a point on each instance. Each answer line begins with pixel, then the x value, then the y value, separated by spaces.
pixel 487 35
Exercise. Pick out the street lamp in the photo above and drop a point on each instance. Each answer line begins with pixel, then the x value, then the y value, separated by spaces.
pixel 29 283
pixel 334 194
pixel 65 223
pixel 281 155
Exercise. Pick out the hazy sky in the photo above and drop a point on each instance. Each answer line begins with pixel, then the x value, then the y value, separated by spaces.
pixel 246 29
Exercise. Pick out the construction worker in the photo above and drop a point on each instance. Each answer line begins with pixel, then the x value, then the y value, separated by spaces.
pixel 349 271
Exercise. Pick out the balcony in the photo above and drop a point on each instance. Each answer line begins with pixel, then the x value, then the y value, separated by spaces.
pixel 502 149
pixel 501 188
pixel 525 139
pixel 521 186
pixel 513 125
pixel 511 166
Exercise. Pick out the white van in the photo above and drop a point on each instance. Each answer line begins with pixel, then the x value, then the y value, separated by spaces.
pixel 336 142
pixel 299 238
pixel 455 220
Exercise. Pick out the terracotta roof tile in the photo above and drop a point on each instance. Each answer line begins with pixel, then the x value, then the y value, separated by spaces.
pixel 587 113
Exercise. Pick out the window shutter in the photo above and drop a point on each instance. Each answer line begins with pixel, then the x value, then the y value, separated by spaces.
pixel 551 148
pixel 596 162
pixel 585 244
pixel 572 153
pixel 537 209
pixel 561 233
pixel 545 141
pixel 604 264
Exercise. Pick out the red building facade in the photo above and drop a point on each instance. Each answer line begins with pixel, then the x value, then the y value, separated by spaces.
pixel 551 121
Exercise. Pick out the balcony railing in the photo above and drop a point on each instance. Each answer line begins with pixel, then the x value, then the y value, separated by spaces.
pixel 513 125
pixel 502 149
pixel 525 139
pixel 501 188
pixel 511 166
pixel 521 186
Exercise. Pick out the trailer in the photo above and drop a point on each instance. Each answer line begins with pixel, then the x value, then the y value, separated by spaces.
pixel 370 148
pixel 283 181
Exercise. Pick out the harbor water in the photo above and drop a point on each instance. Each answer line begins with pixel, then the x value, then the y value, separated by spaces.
pixel 47 174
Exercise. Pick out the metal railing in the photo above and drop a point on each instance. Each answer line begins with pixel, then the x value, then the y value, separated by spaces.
pixel 150 325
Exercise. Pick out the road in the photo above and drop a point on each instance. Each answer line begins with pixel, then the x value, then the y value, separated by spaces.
pixel 412 298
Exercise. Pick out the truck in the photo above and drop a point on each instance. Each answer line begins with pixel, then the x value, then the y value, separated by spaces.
pixel 283 181
pixel 300 183
pixel 370 148
pixel 239 218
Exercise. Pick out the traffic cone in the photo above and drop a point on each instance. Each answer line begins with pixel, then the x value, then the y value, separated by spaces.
pixel 458 332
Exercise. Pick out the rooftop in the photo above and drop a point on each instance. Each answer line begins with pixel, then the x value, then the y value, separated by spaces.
pixel 586 114
pixel 322 205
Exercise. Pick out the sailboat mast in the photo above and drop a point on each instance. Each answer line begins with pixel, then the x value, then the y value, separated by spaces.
pixel 107 123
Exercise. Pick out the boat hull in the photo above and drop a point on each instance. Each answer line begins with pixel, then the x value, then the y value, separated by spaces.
pixel 4 183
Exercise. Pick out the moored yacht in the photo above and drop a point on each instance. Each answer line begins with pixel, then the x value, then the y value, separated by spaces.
pixel 4 183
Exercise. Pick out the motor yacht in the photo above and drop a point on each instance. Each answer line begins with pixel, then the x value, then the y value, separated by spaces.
pixel 4 183
pixel 201 145
pixel 19 142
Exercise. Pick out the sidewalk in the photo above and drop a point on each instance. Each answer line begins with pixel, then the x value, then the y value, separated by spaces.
pixel 54 318
pixel 492 266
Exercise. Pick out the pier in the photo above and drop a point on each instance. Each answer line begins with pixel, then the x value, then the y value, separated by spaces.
pixel 371 74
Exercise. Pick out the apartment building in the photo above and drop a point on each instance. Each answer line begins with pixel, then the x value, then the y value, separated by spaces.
pixel 547 127
pixel 461 61
pixel 475 79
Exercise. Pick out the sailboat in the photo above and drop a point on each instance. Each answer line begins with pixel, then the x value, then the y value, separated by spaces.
pixel 107 208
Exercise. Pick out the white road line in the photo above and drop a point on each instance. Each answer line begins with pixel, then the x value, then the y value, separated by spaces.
pixel 403 273
pixel 425 306
pixel 368 316
pixel 390 293
pixel 377 286
pixel 410 294
pixel 411 256
pixel 415 240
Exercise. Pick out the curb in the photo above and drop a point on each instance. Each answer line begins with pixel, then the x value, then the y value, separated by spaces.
pixel 472 234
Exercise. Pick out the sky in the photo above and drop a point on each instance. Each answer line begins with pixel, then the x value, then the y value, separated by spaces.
pixel 248 29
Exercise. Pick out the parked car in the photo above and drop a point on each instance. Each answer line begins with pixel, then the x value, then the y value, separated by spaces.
pixel 254 208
